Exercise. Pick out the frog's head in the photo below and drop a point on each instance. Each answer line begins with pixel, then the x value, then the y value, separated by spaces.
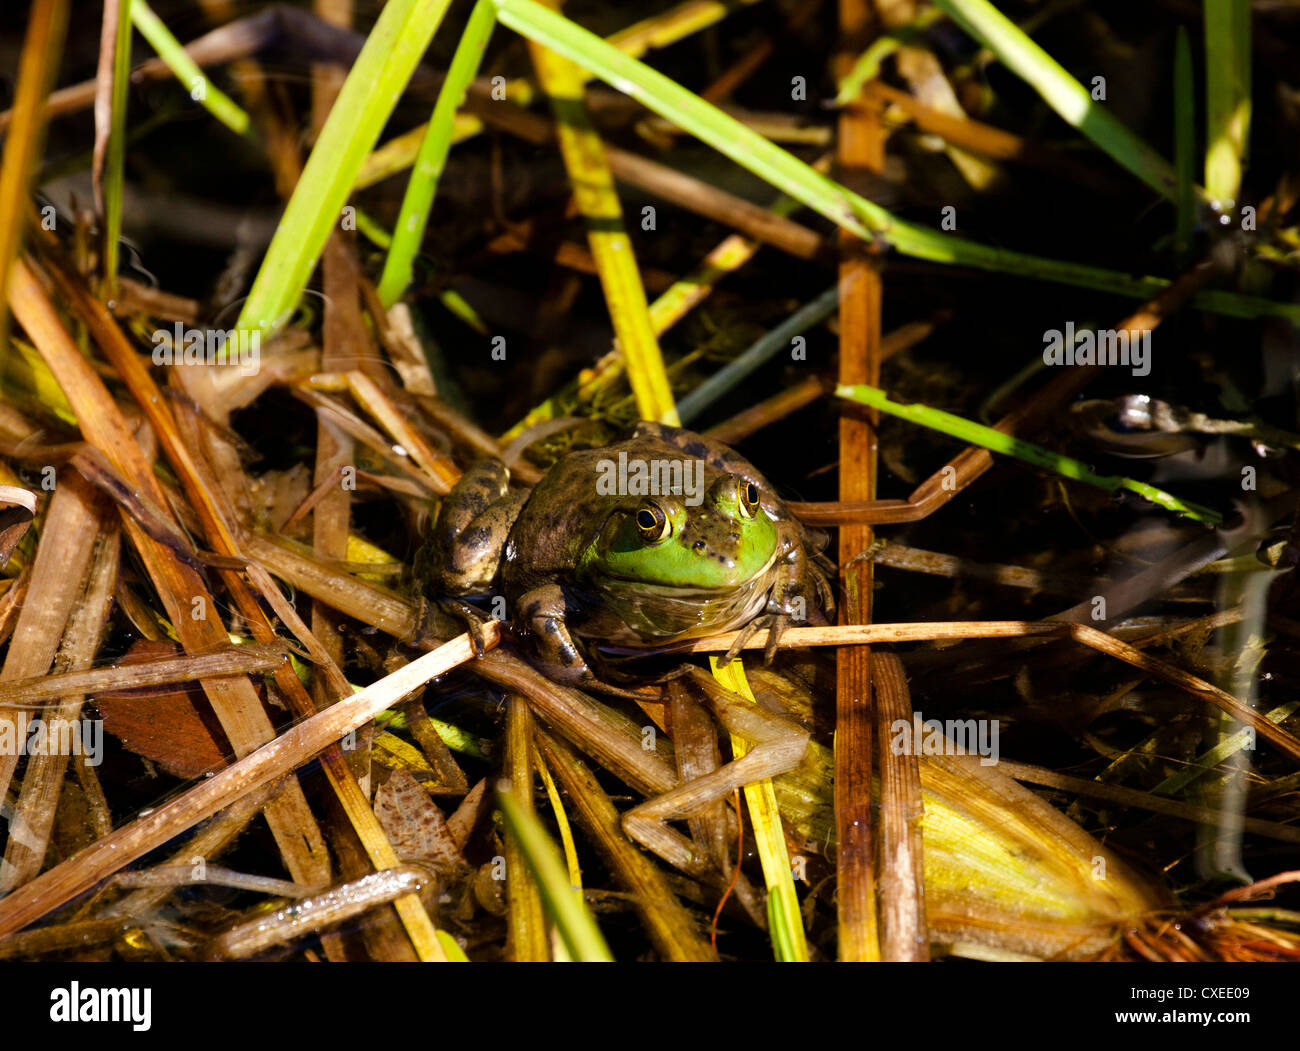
pixel 726 541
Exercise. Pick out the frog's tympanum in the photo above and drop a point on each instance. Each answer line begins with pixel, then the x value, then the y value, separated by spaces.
pixel 662 537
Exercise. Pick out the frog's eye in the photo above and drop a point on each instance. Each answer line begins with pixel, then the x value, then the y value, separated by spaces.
pixel 652 523
pixel 749 500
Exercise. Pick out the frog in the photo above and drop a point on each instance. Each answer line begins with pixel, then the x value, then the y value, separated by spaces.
pixel 690 540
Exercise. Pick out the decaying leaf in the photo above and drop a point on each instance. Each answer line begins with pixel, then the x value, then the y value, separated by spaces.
pixel 414 824
pixel 17 509
pixel 162 724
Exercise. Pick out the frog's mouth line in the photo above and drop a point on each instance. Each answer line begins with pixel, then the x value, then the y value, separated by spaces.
pixel 683 591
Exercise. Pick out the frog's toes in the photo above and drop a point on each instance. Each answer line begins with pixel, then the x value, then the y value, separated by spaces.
pixel 475 620
pixel 743 636
pixel 776 627
pixel 819 571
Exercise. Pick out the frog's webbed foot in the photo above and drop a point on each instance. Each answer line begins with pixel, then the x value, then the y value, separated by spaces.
pixel 647 694
pixel 556 655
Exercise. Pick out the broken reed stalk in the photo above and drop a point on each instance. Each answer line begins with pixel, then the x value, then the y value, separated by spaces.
pixel 527 940
pixel 309 915
pixel 297 745
pixel 251 658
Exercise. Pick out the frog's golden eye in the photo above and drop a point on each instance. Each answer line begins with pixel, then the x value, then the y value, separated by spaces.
pixel 749 499
pixel 652 523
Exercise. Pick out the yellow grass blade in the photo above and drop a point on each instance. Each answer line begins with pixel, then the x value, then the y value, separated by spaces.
pixel 593 188
pixel 788 941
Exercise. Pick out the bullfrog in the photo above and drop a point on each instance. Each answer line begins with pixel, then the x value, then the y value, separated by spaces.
pixel 661 537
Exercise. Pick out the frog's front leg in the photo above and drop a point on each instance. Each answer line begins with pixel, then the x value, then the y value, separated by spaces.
pixel 543 611
pixel 800 595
